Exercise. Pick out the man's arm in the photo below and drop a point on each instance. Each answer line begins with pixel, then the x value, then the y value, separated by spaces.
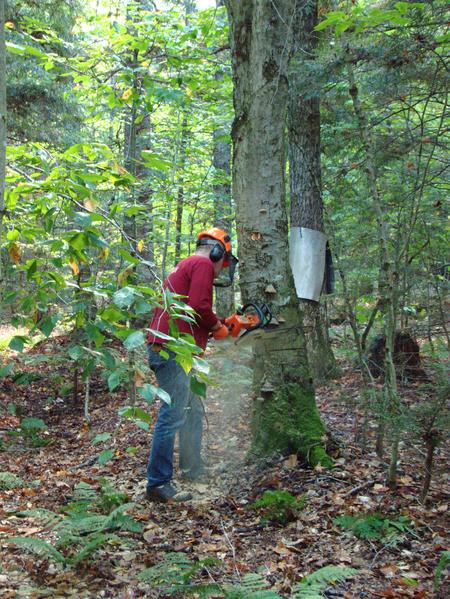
pixel 200 295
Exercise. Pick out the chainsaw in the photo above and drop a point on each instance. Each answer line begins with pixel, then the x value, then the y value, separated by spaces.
pixel 249 318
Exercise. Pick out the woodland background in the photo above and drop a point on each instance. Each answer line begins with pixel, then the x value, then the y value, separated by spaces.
pixel 120 120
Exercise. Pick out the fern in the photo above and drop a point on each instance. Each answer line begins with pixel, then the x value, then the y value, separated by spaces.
pixel 375 526
pixel 81 530
pixel 174 574
pixel 443 561
pixel 45 518
pixel 252 586
pixel 10 481
pixel 311 586
pixel 95 542
pixel 36 546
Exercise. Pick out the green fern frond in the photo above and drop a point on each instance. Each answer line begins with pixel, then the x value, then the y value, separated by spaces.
pixel 252 586
pixel 95 542
pixel 174 575
pixel 82 524
pixel 10 481
pixel 330 574
pixel 36 546
pixel 46 518
pixel 443 561
pixel 311 586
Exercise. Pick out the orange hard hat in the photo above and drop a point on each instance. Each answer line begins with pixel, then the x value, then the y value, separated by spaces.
pixel 221 236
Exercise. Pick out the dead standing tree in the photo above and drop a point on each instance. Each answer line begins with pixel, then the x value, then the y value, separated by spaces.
pixel 286 418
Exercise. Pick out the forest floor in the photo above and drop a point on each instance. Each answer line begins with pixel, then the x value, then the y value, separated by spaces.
pixel 219 522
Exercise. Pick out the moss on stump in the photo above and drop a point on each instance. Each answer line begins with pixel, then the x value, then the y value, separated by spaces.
pixel 288 421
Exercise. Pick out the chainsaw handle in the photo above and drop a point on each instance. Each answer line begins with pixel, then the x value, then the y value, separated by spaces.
pixel 263 312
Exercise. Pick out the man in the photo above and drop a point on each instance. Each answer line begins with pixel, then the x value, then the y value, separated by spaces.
pixel 193 278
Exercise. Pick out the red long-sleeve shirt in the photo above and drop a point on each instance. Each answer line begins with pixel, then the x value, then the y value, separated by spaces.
pixel 193 277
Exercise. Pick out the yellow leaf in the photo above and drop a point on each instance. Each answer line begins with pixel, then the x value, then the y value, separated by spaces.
pixel 146 63
pixel 89 204
pixel 74 266
pixel 126 94
pixel 9 25
pixel 123 276
pixel 15 252
pixel 189 92
pixel 139 377
pixel 140 245
pixel 104 254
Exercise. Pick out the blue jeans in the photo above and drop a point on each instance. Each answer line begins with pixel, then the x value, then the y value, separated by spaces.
pixel 183 415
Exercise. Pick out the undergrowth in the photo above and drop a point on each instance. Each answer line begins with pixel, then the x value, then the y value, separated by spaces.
pixel 87 523
pixel 176 572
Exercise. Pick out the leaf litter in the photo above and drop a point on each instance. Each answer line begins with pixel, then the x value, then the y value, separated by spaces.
pixel 218 522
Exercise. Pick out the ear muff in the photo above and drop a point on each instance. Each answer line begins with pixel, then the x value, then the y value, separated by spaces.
pixel 217 251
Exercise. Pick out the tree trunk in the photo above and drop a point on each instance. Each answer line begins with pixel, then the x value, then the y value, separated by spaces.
pixel 388 280
pixel 2 123
pixel 285 417
pixel 181 191
pixel 305 175
pixel 222 211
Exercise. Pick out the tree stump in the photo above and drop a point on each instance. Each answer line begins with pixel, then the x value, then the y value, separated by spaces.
pixel 406 357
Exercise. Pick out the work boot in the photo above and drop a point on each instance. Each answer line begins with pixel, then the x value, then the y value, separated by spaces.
pixel 167 494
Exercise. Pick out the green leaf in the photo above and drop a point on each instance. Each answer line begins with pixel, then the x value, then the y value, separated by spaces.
pixel 198 387
pixel 201 365
pixel 6 369
pixel 32 269
pixel 17 343
pixel 94 334
pixel 100 438
pixel 152 160
pixel 112 314
pixel 135 413
pixel 148 392
pixel 114 379
pixel 105 456
pixel 134 340
pixel 164 396
pixel 47 324
pixel 123 298
pixel 83 219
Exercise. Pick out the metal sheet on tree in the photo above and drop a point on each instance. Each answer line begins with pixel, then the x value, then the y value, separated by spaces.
pixel 307 259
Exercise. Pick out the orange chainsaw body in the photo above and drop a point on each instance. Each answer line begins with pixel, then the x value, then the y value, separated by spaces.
pixel 237 322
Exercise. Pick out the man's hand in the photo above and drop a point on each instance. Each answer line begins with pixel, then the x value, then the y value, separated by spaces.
pixel 220 332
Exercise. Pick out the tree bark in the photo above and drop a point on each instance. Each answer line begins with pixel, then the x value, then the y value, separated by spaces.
pixel 2 123
pixel 388 280
pixel 305 174
pixel 285 417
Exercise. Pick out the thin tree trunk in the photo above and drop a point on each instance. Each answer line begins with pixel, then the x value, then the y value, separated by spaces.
pixel 222 196
pixel 387 273
pixel 181 190
pixel 2 123
pixel 222 211
pixel 305 175
pixel 285 417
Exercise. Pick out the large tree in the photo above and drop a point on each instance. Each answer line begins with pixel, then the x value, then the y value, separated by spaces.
pixel 305 170
pixel 285 416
